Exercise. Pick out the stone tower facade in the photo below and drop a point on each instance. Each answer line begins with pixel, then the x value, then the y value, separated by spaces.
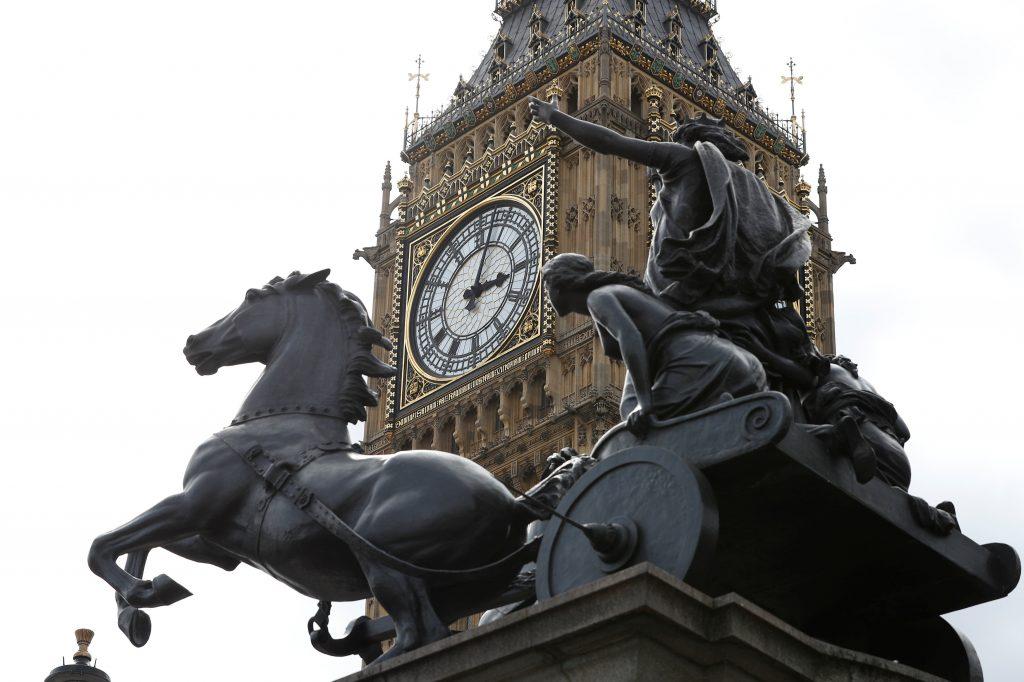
pixel 626 64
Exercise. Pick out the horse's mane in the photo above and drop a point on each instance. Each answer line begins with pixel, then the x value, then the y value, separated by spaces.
pixel 354 394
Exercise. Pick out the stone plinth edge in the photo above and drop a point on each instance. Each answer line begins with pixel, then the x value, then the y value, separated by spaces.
pixel 637 624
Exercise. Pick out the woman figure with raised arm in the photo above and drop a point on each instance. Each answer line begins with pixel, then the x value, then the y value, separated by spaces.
pixel 677 361
pixel 723 242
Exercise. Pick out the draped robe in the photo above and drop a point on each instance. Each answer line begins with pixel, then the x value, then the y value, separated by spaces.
pixel 721 232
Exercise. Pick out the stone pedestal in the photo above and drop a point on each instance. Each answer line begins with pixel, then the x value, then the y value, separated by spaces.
pixel 638 624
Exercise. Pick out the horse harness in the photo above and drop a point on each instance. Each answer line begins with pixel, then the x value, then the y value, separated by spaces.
pixel 279 477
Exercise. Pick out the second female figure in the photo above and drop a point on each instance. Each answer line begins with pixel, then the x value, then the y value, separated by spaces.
pixel 676 360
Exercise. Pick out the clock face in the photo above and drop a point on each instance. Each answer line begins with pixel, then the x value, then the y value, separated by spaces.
pixel 475 289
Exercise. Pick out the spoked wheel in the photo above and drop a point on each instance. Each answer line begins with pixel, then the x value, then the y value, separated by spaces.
pixel 642 504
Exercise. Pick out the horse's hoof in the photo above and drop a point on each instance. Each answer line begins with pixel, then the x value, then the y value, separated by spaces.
pixel 371 652
pixel 393 652
pixel 166 591
pixel 135 624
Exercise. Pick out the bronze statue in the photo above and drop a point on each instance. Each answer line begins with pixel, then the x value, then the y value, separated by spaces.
pixel 283 488
pixel 677 362
pixel 862 422
pixel 728 247
pixel 713 478
pixel 723 242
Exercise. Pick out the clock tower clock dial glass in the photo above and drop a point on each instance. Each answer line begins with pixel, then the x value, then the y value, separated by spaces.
pixel 475 289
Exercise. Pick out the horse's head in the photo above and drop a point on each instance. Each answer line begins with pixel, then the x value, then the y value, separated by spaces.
pixel 249 332
pixel 289 316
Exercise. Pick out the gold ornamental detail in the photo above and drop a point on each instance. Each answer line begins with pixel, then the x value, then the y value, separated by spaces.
pixel 415 387
pixel 528 329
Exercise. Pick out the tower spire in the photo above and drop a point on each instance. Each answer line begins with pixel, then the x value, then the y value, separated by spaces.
pixel 822 200
pixel 385 197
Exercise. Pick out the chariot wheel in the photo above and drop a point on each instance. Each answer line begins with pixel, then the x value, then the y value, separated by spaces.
pixel 643 504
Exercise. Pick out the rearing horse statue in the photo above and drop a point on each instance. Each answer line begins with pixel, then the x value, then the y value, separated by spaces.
pixel 283 489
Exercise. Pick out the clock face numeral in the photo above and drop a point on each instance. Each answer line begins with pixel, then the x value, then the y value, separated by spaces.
pixel 475 289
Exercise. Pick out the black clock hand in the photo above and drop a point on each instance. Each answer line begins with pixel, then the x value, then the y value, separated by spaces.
pixel 477 290
pixel 496 282
pixel 487 245
pixel 474 291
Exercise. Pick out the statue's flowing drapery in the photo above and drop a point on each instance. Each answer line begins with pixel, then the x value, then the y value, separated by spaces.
pixel 725 236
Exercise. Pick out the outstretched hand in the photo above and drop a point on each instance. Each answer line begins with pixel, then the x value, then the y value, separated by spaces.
pixel 541 110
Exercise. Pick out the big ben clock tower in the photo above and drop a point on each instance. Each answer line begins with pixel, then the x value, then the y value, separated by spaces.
pixel 485 368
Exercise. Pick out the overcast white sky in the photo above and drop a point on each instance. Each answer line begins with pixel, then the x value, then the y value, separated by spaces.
pixel 158 158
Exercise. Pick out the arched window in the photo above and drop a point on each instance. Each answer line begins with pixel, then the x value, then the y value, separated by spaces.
pixel 487 139
pixel 523 117
pixel 515 399
pixel 492 417
pixel 467 152
pixel 638 17
pixel 572 99
pixel 538 400
pixel 446 436
pixel 760 166
pixel 636 99
pixel 586 370
pixel 469 435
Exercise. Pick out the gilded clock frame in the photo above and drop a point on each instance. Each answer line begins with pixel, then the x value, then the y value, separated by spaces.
pixel 531 189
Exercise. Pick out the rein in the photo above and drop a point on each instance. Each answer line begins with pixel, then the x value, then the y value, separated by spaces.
pixel 280 477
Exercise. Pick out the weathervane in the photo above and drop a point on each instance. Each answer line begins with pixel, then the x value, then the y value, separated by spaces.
pixel 793 80
pixel 419 76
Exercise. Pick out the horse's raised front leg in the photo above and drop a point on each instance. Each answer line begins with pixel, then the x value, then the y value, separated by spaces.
pixel 135 623
pixel 169 521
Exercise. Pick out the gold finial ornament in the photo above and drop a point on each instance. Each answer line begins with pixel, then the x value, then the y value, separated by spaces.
pixel 556 92
pixel 405 185
pixel 803 189
pixel 84 637
pixel 654 94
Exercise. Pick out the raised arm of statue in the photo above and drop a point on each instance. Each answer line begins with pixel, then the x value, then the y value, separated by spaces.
pixel 656 154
